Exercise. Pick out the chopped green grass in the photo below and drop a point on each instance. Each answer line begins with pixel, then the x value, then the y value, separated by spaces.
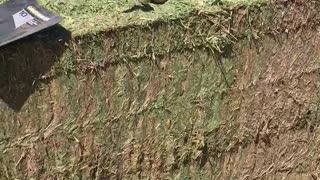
pixel 90 16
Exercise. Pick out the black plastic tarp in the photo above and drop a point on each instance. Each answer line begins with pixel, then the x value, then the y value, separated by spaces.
pixel 20 18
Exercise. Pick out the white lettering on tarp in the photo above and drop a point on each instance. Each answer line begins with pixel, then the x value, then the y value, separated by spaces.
pixel 21 18
pixel 33 23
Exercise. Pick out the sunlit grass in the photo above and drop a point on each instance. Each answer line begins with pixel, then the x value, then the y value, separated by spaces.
pixel 89 16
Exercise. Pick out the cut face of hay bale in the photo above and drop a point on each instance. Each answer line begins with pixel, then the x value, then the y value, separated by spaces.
pixel 193 89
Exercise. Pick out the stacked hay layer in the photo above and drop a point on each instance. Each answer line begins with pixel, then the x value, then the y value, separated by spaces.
pixel 222 94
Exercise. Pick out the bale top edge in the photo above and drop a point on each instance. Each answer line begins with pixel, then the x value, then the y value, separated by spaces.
pixel 88 17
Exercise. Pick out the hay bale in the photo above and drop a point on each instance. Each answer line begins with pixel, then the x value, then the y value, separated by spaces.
pixel 166 99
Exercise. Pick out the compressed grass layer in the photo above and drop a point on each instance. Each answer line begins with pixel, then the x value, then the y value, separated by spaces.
pixel 117 116
pixel 153 102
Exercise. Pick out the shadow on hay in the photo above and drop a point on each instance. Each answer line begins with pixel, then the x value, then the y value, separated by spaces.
pixel 24 61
